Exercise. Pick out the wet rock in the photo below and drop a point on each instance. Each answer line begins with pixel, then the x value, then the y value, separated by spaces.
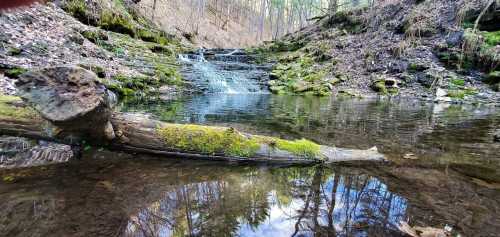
pixel 441 96
pixel 385 85
pixel 18 152
pixel 71 98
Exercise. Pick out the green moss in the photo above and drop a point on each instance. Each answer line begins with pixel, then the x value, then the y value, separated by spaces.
pixel 299 75
pixel 285 46
pixel 380 87
pixel 301 147
pixel 151 36
pixel 208 140
pixel 228 141
pixel 117 23
pixel 13 51
pixel 9 110
pixel 168 75
pixel 15 72
pixel 460 94
pixel 492 38
pixel 78 9
pixel 458 82
pixel 95 36
pixel 479 49
pixel 8 179
pixel 129 85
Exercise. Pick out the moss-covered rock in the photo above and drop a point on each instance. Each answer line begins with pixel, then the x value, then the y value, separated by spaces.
pixel 480 49
pixel 299 75
pixel 117 23
pixel 14 51
pixel 10 107
pixel 168 75
pixel 14 72
pixel 95 36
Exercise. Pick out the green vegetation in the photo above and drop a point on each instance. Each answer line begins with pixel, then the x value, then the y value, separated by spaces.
pixel 460 94
pixel 133 85
pixel 168 75
pixel 228 141
pixel 301 147
pixel 493 77
pixel 95 36
pixel 78 9
pixel 9 110
pixel 478 50
pixel 299 74
pixel 458 82
pixel 13 51
pixel 209 140
pixel 14 72
pixel 380 87
pixel 492 38
pixel 117 23
pixel 128 85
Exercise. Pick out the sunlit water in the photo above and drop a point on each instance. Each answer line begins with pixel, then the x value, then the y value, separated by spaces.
pixel 453 180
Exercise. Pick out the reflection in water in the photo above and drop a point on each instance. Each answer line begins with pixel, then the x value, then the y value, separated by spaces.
pixel 287 202
pixel 155 197
pixel 433 132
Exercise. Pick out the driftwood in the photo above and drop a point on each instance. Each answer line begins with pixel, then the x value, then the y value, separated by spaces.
pixel 81 110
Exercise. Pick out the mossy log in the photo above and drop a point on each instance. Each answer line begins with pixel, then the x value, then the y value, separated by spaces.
pixel 69 105
pixel 139 134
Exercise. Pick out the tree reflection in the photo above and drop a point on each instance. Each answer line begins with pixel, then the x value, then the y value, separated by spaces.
pixel 282 202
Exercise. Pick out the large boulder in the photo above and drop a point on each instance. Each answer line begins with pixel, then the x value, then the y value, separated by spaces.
pixel 71 98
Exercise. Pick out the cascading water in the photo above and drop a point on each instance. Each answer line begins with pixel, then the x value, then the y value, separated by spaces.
pixel 224 71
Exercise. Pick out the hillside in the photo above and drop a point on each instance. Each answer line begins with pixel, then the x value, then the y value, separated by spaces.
pixel 210 28
pixel 411 48
pixel 128 53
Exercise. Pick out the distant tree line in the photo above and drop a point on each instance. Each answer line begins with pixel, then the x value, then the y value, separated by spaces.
pixel 267 19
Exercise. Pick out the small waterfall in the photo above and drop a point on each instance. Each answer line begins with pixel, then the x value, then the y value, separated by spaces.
pixel 223 71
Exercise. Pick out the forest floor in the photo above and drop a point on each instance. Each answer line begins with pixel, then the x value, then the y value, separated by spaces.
pixel 129 55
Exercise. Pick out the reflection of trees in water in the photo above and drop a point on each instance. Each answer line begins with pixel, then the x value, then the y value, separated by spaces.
pixel 310 202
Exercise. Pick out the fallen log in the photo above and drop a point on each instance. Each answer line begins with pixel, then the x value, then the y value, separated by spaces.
pixel 79 108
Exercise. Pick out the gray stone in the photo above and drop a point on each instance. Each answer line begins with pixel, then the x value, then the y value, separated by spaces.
pixel 16 152
pixel 71 98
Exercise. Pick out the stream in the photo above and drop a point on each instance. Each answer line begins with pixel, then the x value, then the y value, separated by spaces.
pixel 444 170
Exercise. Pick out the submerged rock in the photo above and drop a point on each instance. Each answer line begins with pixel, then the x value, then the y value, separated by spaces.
pixel 18 152
pixel 71 98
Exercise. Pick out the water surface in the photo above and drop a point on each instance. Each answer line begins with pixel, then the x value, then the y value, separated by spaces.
pixel 452 178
